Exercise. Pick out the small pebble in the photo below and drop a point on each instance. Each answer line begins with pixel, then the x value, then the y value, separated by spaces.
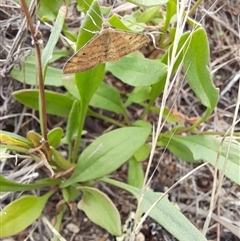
pixel 73 228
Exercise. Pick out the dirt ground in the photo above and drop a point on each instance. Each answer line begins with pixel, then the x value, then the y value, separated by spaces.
pixel 222 24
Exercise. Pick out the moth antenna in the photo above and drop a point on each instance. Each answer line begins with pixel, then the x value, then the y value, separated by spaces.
pixel 153 39
pixel 90 7
pixel 114 2
pixel 90 31
pixel 92 18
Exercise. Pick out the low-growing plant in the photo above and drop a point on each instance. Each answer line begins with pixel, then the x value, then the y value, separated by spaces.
pixel 131 141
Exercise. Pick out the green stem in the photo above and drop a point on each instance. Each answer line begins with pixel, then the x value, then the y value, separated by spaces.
pixel 104 118
pixel 83 109
pixel 195 6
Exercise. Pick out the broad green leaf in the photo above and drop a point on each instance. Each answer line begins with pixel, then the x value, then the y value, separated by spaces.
pixel 70 194
pixel 11 186
pixel 35 138
pixel 55 136
pixel 107 98
pixel 54 37
pixel 58 54
pixel 28 74
pixel 107 153
pixel 9 138
pixel 57 104
pixel 20 213
pixel 72 36
pixel 148 3
pixel 115 21
pixel 131 22
pixel 93 14
pixel 133 69
pixel 100 210
pixel 143 124
pixel 87 83
pixel 197 73
pixel 148 14
pixel 135 173
pixel 84 5
pixel 70 85
pixel 127 23
pixel 49 9
pixel 142 153
pixel 199 147
pixel 165 213
pixel 138 95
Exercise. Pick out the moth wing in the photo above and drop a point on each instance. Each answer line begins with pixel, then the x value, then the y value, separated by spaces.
pixel 108 45
pixel 122 43
pixel 89 56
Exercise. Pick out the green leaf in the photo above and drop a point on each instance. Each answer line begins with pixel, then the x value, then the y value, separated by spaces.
pixel 165 213
pixel 107 98
pixel 70 194
pixel 148 3
pixel 49 9
pixel 54 37
pixel 170 13
pixel 138 95
pixel 115 21
pixel 131 22
pixel 57 104
pixel 28 74
pixel 100 210
pixel 3 152
pixel 9 138
pixel 127 23
pixel 107 153
pixel 92 22
pixel 135 173
pixel 148 14
pixel 70 85
pixel 142 153
pixel 59 160
pixel 35 138
pixel 11 186
pixel 133 69
pixel 199 147
pixel 143 124
pixel 197 72
pixel 88 81
pixel 55 136
pixel 84 5
pixel 73 122
pixel 158 88
pixel 20 213
pixel 58 54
